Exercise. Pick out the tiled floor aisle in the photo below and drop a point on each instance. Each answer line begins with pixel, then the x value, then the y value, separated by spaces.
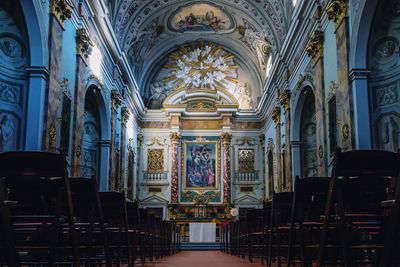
pixel 203 259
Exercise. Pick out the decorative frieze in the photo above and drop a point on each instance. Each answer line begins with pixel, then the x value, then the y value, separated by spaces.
pixel 284 99
pixel 337 10
pixel 315 47
pixel 276 115
pixel 83 43
pixel 62 9
pixel 116 99
pixel 125 113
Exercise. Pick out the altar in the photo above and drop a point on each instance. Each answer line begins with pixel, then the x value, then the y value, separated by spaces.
pixel 200 232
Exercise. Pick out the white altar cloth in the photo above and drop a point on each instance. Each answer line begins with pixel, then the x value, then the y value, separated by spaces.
pixel 202 232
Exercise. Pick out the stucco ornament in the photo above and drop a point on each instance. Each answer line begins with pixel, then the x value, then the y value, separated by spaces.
pixel 201 67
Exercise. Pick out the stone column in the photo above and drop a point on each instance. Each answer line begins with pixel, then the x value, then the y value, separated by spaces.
pixel 315 49
pixel 36 107
pixel 263 174
pixel 226 152
pixel 175 140
pixel 59 12
pixel 284 99
pixel 337 11
pixel 138 157
pixel 83 46
pixel 123 166
pixel 116 101
pixel 276 117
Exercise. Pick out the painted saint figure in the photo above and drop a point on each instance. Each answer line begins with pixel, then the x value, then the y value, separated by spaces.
pixel 6 134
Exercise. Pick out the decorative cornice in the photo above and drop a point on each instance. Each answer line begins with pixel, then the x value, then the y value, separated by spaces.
pixel 337 10
pixel 83 43
pixel 226 138
pixel 276 115
pixel 315 47
pixel 125 113
pixel 175 137
pixel 284 99
pixel 61 9
pixel 116 99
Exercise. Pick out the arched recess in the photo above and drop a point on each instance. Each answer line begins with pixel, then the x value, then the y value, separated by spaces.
pixel 384 85
pixel 270 168
pixel 304 144
pixel 96 135
pixel 14 56
pixel 359 72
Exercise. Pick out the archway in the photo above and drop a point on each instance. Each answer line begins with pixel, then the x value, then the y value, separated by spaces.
pixel 384 64
pixel 91 135
pixel 14 56
pixel 308 135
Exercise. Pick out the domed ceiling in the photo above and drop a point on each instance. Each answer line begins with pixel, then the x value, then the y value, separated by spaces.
pixel 174 44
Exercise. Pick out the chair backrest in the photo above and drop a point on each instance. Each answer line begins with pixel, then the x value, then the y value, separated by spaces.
pixel 29 180
pixel 309 198
pixel 114 208
pixel 132 209
pixel 281 208
pixel 367 178
pixel 254 220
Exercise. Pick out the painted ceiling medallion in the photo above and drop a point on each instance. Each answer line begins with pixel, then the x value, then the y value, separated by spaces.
pixel 201 67
pixel 200 17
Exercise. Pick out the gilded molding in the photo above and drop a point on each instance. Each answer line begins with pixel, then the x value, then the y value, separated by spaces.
pixel 116 99
pixel 52 132
pixel 345 132
pixel 276 115
pixel 315 47
pixel 175 137
pixel 284 99
pixel 61 9
pixel 125 113
pixel 337 10
pixel 83 43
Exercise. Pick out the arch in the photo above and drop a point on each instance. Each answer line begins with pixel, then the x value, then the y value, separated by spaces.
pixel 300 100
pixel 36 33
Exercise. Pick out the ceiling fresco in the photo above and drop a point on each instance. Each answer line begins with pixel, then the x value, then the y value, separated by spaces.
pixel 244 36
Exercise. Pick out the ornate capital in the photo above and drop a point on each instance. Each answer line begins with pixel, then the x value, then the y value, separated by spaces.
pixel 284 99
pixel 139 140
pixel 125 113
pixel 262 139
pixel 61 9
pixel 116 99
pixel 83 43
pixel 175 136
pixel 226 138
pixel 337 10
pixel 276 115
pixel 315 47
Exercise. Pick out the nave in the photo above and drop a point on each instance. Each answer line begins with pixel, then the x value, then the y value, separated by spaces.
pixel 201 259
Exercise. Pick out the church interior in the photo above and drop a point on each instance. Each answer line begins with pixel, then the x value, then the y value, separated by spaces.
pixel 187 133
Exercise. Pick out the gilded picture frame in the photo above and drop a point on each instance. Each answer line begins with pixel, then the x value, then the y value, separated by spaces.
pixel 200 165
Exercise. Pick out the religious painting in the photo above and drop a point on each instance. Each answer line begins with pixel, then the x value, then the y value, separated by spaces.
pixel 200 17
pixel 200 165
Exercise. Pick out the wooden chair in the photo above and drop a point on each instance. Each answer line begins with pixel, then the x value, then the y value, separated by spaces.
pixel 8 252
pixel 279 226
pixel 118 232
pixel 267 206
pixel 367 178
pixel 305 223
pixel 93 243
pixel 254 232
pixel 137 233
pixel 36 216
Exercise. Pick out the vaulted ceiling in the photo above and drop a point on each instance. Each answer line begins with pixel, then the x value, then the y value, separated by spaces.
pixel 154 32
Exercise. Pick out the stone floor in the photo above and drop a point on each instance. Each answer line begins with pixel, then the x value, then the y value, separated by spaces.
pixel 202 259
